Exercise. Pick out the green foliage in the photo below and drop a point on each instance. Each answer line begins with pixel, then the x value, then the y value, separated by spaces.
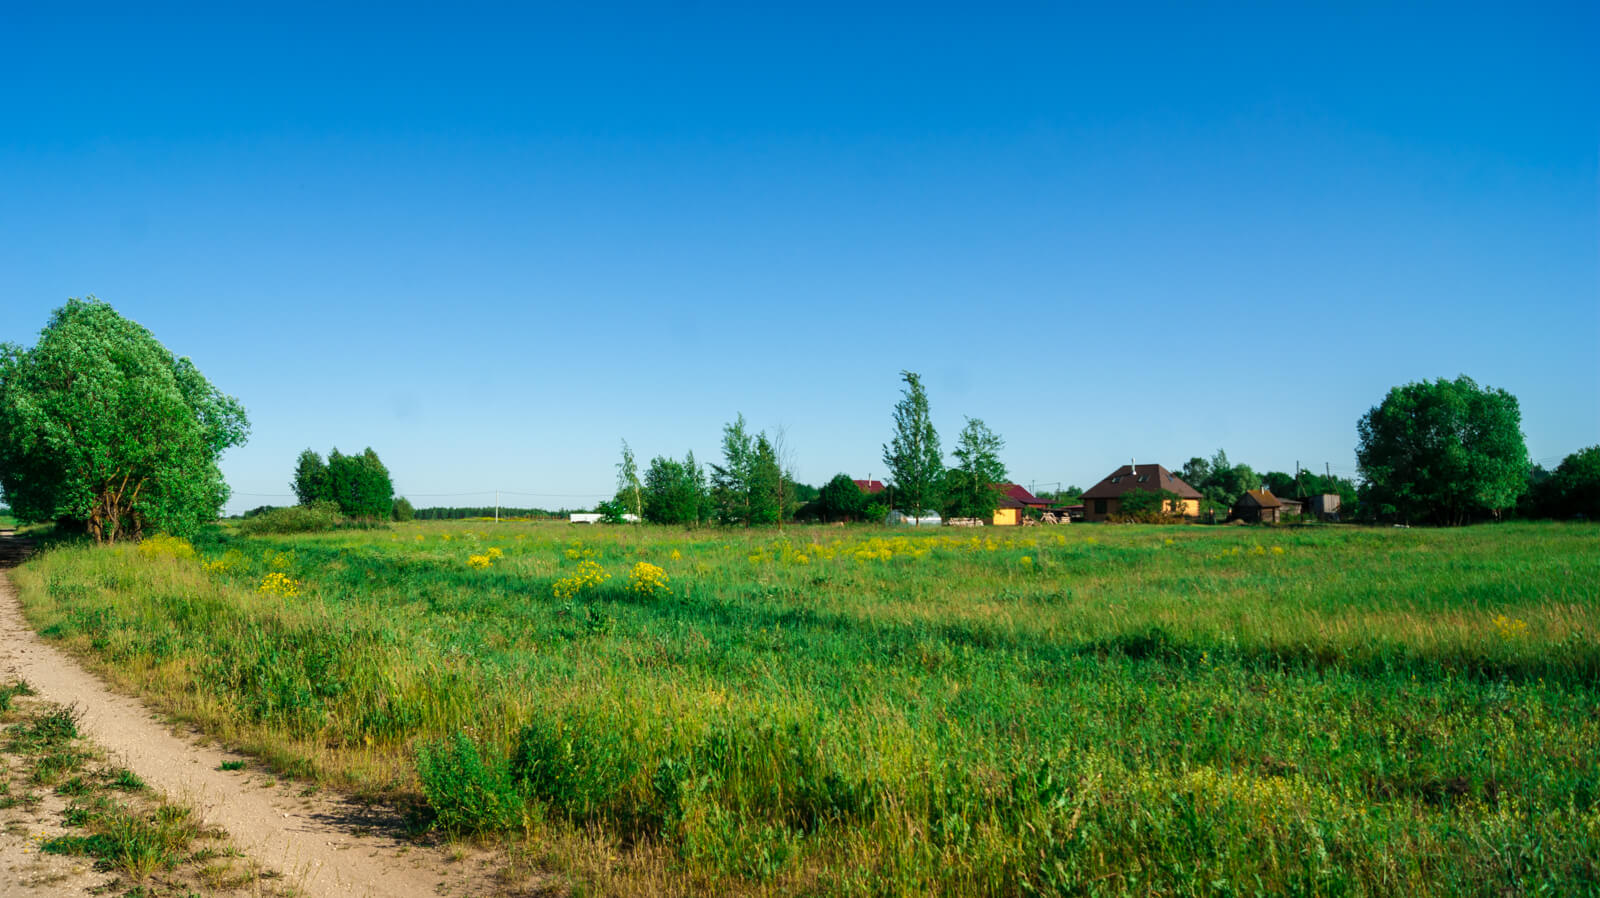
pixel 1149 507
pixel 311 482
pixel 313 518
pixel 1442 451
pixel 630 492
pixel 360 484
pixel 731 480
pixel 1219 481
pixel 469 793
pixel 403 510
pixel 1572 490
pixel 916 464
pixel 672 492
pixel 10 691
pixel 611 511
pixel 460 513
pixel 101 426
pixel 969 487
pixel 1280 484
pixel 841 500
pixel 766 504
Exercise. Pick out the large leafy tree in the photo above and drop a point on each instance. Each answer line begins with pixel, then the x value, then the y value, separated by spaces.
pixel 1443 451
pixel 841 500
pixel 672 491
pixel 102 426
pixel 311 479
pixel 969 486
pixel 1219 481
pixel 916 464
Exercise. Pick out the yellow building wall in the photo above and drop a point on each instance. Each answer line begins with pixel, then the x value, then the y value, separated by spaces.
pixel 1007 517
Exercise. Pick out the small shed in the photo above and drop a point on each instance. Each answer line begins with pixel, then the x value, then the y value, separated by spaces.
pixel 1008 512
pixel 1263 507
pixel 1325 506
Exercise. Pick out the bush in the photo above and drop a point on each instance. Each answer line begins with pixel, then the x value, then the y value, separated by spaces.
pixel 299 519
pixel 468 792
pixel 403 509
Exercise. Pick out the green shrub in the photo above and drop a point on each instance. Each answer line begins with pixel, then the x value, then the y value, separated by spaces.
pixel 469 793
pixel 298 519
pixel 578 767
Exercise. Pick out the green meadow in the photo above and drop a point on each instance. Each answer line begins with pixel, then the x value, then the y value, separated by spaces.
pixel 1076 710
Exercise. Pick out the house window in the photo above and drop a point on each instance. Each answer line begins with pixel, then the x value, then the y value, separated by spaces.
pixel 1099 506
pixel 1143 477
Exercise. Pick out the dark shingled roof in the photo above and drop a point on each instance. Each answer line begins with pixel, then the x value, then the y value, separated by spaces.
pixel 1127 478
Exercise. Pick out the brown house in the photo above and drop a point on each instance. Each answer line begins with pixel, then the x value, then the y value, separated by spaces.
pixel 1104 499
pixel 1262 506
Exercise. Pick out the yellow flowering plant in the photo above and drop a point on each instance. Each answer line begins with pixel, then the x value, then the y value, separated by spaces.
pixel 279 584
pixel 587 576
pixel 648 581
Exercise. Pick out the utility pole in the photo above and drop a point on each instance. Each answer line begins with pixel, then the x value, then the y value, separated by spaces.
pixel 497 506
pixel 1298 492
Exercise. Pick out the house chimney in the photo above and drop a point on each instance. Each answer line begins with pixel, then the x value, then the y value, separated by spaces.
pixel 1133 468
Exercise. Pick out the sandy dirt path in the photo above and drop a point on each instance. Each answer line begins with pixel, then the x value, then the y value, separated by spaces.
pixel 323 845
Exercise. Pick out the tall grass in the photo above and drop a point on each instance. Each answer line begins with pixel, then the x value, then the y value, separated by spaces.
pixel 1087 710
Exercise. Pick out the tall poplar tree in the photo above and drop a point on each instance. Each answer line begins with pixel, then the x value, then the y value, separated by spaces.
pixel 630 492
pixel 915 461
pixel 730 481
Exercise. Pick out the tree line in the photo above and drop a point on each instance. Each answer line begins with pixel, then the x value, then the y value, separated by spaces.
pixel 439 513
pixel 104 431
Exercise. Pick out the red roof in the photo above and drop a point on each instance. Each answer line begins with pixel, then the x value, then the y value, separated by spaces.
pixel 1021 494
pixel 869 486
pixel 1147 477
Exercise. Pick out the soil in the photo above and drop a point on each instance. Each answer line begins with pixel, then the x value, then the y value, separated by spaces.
pixel 324 845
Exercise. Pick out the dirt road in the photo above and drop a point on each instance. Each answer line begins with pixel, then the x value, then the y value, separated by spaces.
pixel 324 845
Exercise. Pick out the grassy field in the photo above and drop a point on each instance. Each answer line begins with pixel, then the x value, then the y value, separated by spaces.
pixel 1083 710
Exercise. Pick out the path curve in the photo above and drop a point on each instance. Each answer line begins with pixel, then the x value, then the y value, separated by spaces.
pixel 300 837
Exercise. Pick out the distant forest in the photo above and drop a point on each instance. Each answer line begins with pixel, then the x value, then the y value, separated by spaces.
pixel 456 514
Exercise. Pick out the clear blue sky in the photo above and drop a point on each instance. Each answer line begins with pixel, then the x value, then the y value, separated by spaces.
pixel 492 242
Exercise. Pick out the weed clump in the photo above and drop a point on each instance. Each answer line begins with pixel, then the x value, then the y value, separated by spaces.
pixel 314 518
pixel 469 793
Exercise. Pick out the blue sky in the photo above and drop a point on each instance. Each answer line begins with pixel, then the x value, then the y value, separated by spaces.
pixel 494 242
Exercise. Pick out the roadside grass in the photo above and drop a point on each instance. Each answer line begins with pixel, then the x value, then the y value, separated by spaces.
pixel 153 846
pixel 1097 710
